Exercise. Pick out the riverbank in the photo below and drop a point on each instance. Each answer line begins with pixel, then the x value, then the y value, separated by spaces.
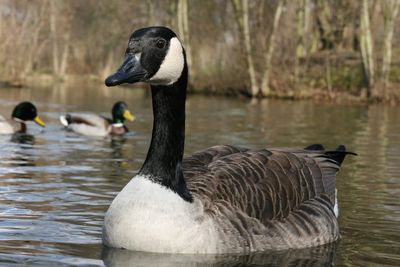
pixel 344 88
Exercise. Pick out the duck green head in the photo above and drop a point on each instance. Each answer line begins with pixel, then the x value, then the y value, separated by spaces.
pixel 120 113
pixel 26 111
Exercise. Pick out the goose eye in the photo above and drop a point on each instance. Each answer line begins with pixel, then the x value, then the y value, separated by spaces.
pixel 160 43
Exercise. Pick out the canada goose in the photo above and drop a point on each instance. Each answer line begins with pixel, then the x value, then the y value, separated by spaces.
pixel 96 125
pixel 224 199
pixel 23 112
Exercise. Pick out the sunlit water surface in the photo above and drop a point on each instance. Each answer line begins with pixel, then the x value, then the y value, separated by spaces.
pixel 56 186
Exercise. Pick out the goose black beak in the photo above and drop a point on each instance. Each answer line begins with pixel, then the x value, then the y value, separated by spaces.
pixel 131 71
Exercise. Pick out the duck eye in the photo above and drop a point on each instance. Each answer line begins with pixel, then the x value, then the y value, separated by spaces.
pixel 160 43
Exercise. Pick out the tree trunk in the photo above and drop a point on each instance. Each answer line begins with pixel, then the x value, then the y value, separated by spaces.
pixel 183 28
pixel 241 8
pixel 324 26
pixel 32 53
pixel 53 32
pixel 24 32
pixel 301 28
pixel 186 31
pixel 390 10
pixel 180 7
pixel 64 57
pixel 150 13
pixel 172 14
pixel 250 62
pixel 1 20
pixel 328 74
pixel 366 48
pixel 265 89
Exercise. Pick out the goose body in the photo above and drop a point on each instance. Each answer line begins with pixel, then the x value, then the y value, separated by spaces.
pixel 96 125
pixel 22 113
pixel 224 199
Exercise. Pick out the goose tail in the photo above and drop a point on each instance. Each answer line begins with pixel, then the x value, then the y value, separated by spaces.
pixel 337 155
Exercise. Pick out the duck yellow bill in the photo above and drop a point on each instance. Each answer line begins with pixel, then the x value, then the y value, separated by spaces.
pixel 39 121
pixel 128 115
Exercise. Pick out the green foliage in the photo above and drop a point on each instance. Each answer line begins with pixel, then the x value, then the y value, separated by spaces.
pixel 347 79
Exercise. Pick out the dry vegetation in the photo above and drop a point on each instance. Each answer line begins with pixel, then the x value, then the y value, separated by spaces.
pixel 303 48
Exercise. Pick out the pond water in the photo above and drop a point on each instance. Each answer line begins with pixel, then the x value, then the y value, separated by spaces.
pixel 55 186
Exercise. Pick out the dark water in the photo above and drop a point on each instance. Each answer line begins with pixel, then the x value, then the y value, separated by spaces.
pixel 55 186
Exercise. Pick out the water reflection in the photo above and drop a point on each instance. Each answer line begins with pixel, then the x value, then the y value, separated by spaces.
pixel 55 185
pixel 26 139
pixel 318 256
pixel 116 144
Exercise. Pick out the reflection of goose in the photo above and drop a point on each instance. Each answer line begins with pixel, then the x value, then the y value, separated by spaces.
pixel 310 257
pixel 95 125
pixel 23 112
pixel 225 198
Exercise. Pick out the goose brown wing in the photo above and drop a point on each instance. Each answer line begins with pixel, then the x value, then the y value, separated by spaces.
pixel 264 184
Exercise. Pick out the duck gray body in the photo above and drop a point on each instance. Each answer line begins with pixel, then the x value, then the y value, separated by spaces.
pixel 97 125
pixel 5 126
pixel 224 199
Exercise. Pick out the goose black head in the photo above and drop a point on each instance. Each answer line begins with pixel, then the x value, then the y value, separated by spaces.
pixel 26 111
pixel 154 55
pixel 120 112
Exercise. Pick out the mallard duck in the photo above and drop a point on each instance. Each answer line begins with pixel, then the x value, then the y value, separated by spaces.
pixel 224 199
pixel 23 112
pixel 96 125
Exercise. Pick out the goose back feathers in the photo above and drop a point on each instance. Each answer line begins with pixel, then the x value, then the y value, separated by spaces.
pixel 224 199
pixel 270 199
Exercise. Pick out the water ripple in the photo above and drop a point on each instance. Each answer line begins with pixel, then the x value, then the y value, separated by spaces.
pixel 55 186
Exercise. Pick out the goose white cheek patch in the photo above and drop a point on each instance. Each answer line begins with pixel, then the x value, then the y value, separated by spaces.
pixel 172 66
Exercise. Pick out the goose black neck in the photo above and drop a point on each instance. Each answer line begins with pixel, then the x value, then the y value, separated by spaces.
pixel 164 158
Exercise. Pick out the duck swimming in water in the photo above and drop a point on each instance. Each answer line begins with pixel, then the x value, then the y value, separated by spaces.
pixel 96 125
pixel 224 199
pixel 22 113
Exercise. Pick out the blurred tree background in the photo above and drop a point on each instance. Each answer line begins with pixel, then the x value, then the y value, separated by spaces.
pixel 257 48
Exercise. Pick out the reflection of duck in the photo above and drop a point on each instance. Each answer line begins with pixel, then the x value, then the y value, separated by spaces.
pixel 95 125
pixel 23 112
pixel 224 199
pixel 26 139
pixel 117 144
